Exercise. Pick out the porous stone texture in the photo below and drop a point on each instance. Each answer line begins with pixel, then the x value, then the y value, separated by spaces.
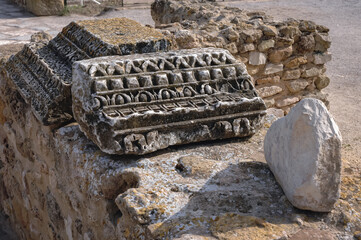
pixel 291 49
pixel 41 71
pixel 140 103
pixel 42 7
pixel 57 184
pixel 303 150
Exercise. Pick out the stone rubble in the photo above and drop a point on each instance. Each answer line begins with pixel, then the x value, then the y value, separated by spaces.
pixel 303 151
pixel 289 49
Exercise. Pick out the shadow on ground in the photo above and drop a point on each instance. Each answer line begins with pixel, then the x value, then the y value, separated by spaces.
pixel 243 201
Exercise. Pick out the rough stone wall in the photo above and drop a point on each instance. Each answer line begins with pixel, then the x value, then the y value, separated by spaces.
pixel 286 59
pixel 42 7
pixel 56 184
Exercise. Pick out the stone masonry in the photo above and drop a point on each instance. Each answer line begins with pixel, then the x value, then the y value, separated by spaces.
pixel 55 183
pixel 286 59
pixel 140 103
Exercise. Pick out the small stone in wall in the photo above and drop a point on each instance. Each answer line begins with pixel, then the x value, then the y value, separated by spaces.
pixel 307 26
pixel 266 44
pixel 276 56
pixel 322 82
pixel 283 102
pixel 247 48
pixel 291 74
pixel 269 31
pixel 273 68
pixel 306 44
pixel 257 58
pixel 312 72
pixel 253 69
pixel 303 150
pixel 232 48
pixel 289 31
pixel 322 58
pixel 269 91
pixel 295 62
pixel 186 39
pixel 251 35
pixel 323 42
pixel 297 85
pixel 231 34
pixel 273 79
pixel 269 102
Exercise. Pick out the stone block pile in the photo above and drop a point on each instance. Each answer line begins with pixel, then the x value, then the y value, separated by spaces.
pixel 286 59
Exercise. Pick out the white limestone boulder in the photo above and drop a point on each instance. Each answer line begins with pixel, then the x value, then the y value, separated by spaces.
pixel 303 150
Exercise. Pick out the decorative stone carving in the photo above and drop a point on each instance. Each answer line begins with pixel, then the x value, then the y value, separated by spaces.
pixel 42 71
pixel 138 104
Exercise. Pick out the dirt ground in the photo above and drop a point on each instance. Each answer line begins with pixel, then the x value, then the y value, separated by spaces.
pixel 343 17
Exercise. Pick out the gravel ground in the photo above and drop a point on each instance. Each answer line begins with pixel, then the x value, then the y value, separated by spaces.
pixel 343 17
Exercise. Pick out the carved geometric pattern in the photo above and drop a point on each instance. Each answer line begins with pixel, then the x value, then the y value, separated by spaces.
pixel 140 103
pixel 42 72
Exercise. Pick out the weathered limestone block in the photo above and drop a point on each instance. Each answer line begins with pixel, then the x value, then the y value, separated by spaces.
pixel 141 103
pixel 257 58
pixel 291 74
pixel 322 58
pixel 303 151
pixel 266 44
pixel 273 68
pixel 42 70
pixel 286 101
pixel 278 55
pixel 295 86
pixel 322 82
pixel 269 91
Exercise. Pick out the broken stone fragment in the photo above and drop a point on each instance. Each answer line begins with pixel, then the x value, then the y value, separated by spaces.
pixel 140 103
pixel 269 91
pixel 303 150
pixel 322 58
pixel 295 86
pixel 322 82
pixel 273 68
pixel 257 58
pixel 278 55
pixel 41 71
pixel 266 44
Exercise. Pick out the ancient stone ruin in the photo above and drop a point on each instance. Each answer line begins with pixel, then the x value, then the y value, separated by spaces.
pixel 58 181
pixel 141 103
pixel 42 70
pixel 286 59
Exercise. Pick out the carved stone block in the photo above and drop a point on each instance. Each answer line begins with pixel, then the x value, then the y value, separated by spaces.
pixel 140 103
pixel 42 71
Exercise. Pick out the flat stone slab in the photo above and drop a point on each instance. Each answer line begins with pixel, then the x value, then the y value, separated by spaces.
pixel 303 150
pixel 42 71
pixel 140 103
